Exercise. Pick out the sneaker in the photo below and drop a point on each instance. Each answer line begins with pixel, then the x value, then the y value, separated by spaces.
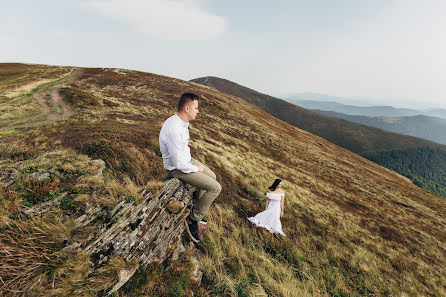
pixel 192 230
pixel 203 221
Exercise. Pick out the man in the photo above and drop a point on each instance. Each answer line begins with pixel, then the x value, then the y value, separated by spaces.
pixel 174 139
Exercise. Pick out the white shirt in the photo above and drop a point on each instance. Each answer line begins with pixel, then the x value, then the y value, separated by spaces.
pixel 174 139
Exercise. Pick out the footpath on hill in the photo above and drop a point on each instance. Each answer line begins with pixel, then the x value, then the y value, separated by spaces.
pixel 53 107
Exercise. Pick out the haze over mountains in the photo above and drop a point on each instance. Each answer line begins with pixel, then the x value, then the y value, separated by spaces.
pixel 427 124
pixel 335 104
pixel 431 128
pixel 353 228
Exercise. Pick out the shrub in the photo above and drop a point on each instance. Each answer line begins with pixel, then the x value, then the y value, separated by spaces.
pixel 79 98
pixel 69 204
pixel 112 155
pixel 35 191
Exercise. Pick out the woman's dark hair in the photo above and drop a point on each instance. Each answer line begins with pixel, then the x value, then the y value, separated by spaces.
pixel 275 183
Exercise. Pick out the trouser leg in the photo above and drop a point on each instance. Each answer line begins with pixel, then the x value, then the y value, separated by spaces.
pixel 203 182
pixel 206 171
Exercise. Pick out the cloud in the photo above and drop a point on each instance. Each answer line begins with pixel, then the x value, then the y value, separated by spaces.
pixel 163 19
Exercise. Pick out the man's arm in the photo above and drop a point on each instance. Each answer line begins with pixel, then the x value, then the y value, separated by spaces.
pixel 175 149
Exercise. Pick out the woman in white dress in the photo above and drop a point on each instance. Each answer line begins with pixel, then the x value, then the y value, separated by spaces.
pixel 270 217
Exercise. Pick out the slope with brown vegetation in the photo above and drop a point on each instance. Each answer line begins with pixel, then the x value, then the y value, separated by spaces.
pixel 32 98
pixel 353 228
pixel 352 136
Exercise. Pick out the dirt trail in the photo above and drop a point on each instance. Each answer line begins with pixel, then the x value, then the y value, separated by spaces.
pixel 54 107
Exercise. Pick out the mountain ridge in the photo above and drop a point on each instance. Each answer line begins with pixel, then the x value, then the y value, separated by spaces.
pixel 372 111
pixel 422 126
pixel 343 133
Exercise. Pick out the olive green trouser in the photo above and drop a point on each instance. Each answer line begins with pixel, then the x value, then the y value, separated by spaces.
pixel 208 187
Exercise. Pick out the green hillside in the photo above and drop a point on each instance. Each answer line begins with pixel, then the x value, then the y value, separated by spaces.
pixel 425 166
pixel 430 128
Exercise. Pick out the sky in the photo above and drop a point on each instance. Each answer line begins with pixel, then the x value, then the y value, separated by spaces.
pixel 390 52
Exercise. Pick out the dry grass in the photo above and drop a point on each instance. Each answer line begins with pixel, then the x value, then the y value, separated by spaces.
pixel 75 277
pixel 28 250
pixel 353 228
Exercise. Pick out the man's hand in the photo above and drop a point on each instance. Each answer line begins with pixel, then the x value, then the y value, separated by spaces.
pixel 200 168
pixel 281 214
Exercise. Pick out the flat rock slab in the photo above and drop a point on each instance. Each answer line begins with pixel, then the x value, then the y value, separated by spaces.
pixel 143 234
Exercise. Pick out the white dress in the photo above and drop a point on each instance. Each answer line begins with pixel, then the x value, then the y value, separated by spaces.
pixel 270 218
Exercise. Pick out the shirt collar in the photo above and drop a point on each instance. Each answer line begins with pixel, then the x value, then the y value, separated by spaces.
pixel 183 123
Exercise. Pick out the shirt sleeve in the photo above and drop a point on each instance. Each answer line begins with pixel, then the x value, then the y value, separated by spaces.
pixel 175 148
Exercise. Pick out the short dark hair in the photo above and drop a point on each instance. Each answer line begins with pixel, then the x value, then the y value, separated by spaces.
pixel 186 98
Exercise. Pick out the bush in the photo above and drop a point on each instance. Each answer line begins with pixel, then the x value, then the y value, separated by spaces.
pixel 35 191
pixel 113 156
pixel 79 98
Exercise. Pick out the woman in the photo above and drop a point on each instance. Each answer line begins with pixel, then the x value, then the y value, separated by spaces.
pixel 270 218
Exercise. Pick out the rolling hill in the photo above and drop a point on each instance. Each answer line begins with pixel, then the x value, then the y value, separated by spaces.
pixel 430 128
pixel 352 136
pixel 371 111
pixel 425 166
pixel 353 228
pixel 326 103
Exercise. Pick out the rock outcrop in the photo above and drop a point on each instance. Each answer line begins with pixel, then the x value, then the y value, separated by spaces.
pixel 139 234
pixel 142 234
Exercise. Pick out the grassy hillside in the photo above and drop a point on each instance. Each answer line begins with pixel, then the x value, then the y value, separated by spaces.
pixel 352 136
pixel 353 228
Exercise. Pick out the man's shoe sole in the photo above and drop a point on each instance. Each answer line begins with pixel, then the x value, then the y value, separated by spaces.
pixel 188 232
pixel 203 223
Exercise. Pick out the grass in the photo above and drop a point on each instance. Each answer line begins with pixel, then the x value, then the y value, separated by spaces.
pixel 39 118
pixel 29 250
pixel 60 109
pixel 348 233
pixel 7 133
pixel 49 100
pixel 19 107
pixel 22 99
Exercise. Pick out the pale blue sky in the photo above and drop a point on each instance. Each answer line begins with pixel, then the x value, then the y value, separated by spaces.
pixel 390 52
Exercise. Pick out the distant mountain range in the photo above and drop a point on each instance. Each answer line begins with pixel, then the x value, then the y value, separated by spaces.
pixel 355 137
pixel 371 111
pixel 438 112
pixel 431 128
pixel 320 97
